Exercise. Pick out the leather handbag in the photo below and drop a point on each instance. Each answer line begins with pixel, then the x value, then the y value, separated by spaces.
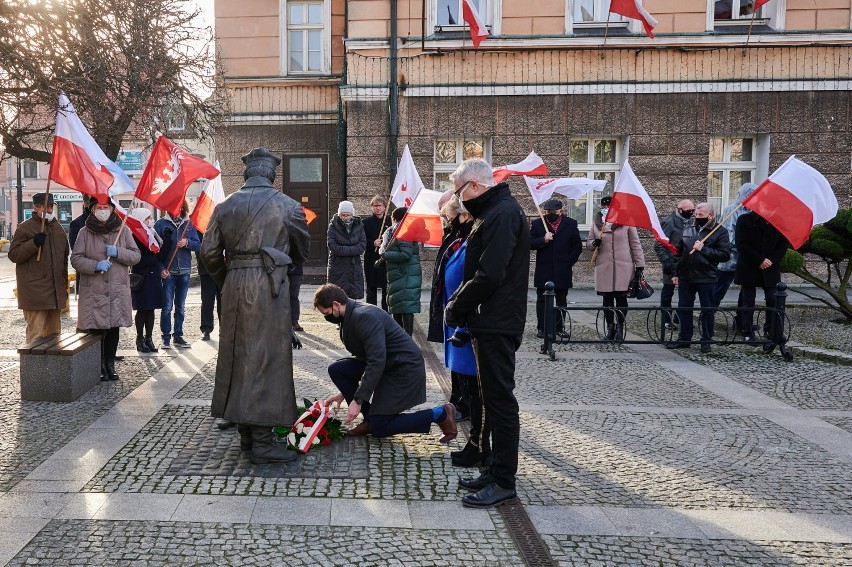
pixel 639 288
pixel 136 281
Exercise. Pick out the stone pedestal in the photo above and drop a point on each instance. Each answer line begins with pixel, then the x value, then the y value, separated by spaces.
pixel 60 368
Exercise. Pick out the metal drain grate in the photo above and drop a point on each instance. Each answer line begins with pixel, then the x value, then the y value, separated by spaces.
pixel 532 549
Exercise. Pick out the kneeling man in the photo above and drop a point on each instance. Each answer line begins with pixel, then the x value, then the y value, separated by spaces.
pixel 386 375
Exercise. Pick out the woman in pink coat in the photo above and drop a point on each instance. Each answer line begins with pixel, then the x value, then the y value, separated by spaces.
pixel 103 267
pixel 619 258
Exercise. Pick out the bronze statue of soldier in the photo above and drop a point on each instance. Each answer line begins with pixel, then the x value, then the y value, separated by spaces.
pixel 253 236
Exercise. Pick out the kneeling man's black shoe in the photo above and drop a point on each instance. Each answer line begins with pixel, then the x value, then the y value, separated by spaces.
pixel 491 495
pixel 476 484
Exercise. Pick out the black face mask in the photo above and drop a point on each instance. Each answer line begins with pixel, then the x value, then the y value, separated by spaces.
pixel 687 214
pixel 551 217
pixel 701 222
pixel 462 228
pixel 337 320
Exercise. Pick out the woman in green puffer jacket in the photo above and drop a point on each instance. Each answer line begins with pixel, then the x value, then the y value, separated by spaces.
pixel 404 275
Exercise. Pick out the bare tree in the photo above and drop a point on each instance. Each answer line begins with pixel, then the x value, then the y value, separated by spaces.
pixel 121 62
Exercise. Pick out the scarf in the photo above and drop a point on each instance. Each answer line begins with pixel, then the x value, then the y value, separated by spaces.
pixel 111 225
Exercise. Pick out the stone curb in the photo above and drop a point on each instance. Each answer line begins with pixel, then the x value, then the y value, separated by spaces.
pixel 822 354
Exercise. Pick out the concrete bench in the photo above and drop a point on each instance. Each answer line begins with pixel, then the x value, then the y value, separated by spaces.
pixel 60 368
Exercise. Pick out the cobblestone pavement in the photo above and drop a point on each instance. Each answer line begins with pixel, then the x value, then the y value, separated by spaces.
pixel 630 455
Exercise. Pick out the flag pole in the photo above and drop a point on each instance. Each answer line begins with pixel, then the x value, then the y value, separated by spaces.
pixel 123 224
pixel 544 222
pixel 606 29
pixel 718 225
pixel 46 197
pixel 595 253
pixel 174 253
pixel 748 37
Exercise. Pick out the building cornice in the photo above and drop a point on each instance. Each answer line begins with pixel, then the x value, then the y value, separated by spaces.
pixel 277 81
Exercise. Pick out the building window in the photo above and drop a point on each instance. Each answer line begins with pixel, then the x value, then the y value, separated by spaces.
pixel 733 161
pixel 741 13
pixel 176 120
pixel 450 152
pixel 590 11
pixel 30 169
pixel 593 158
pixel 448 13
pixel 306 37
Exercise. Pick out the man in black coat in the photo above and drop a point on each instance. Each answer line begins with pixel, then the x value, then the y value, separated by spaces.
pixel 79 222
pixel 376 277
pixel 557 250
pixel 696 273
pixel 672 227
pixel 761 248
pixel 492 304
pixel 387 374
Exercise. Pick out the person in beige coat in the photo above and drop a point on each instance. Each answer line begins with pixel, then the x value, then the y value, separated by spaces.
pixel 42 282
pixel 103 267
pixel 619 258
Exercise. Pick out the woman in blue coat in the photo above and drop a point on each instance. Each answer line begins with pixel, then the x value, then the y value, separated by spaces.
pixel 458 350
pixel 149 297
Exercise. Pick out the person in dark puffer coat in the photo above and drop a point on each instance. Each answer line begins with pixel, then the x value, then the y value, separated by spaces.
pixel 346 242
pixel 404 276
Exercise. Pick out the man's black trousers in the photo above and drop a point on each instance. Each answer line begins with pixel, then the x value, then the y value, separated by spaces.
pixel 210 295
pixel 495 364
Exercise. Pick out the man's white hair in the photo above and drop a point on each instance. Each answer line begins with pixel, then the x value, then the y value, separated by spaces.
pixel 474 170
pixel 706 207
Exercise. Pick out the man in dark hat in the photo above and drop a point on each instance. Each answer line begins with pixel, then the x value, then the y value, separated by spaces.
pixel 262 232
pixel 42 281
pixel 557 243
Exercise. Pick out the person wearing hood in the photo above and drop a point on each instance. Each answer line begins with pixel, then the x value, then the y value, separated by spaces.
pixel 491 303
pixel 404 276
pixel 180 240
pixel 725 271
pixel 104 252
pixel 699 252
pixel 42 283
pixel 149 297
pixel 346 242
pixel 672 227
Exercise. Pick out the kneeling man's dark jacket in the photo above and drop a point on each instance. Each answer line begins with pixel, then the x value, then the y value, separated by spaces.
pixel 395 377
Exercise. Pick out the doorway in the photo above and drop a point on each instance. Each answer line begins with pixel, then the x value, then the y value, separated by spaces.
pixel 306 182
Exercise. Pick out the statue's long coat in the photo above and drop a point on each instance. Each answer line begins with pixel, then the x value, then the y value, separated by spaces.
pixel 254 372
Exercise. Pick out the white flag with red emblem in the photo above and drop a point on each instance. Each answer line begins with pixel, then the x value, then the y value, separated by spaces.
pixel 531 165
pixel 631 206
pixel 571 187
pixel 407 184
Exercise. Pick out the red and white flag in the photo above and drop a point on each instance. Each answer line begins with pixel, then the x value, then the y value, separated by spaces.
pixel 470 14
pixel 168 175
pixel 758 4
pixel 142 233
pixel 78 162
pixel 310 215
pixel 212 194
pixel 634 10
pixel 631 206
pixel 407 183
pixel 794 199
pixel 571 187
pixel 422 222
pixel 532 165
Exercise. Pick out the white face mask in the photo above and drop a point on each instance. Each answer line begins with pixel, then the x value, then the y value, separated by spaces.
pixel 604 211
pixel 102 215
pixel 49 216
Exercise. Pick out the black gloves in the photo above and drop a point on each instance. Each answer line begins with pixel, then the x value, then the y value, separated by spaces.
pixel 39 239
pixel 596 242
pixel 450 317
pixel 294 341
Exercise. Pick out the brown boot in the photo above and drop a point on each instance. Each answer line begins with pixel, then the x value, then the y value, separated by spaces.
pixel 362 428
pixel 448 426
pixel 245 437
pixel 265 450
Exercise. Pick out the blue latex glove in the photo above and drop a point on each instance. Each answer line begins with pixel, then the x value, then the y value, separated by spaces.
pixel 112 251
pixel 103 266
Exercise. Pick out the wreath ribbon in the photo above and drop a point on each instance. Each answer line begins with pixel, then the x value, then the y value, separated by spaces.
pixel 324 413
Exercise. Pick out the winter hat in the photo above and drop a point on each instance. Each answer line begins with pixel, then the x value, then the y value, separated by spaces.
pixel 141 214
pixel 346 207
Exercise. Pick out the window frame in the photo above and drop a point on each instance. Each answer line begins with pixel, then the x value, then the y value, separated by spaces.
pixel 759 166
pixel 29 163
pixel 492 17
pixel 590 168
pixel 773 15
pixel 616 21
pixel 284 32
pixel 438 168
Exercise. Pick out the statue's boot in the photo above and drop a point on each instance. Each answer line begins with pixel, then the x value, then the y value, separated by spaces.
pixel 265 450
pixel 245 437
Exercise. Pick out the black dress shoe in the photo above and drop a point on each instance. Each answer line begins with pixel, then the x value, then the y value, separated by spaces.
pixel 118 358
pixel 225 424
pixel 677 345
pixel 205 336
pixel 705 348
pixel 110 368
pixel 491 495
pixel 476 484
pixel 467 457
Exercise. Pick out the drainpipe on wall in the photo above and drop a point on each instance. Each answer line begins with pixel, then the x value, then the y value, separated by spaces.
pixel 393 95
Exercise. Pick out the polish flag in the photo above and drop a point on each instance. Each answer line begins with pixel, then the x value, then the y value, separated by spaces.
pixel 212 194
pixel 310 216
pixel 407 184
pixel 168 175
pixel 631 206
pixel 794 199
pixel 532 165
pixel 634 10
pixel 422 222
pixel 758 4
pixel 571 187
pixel 78 162
pixel 139 230
pixel 478 31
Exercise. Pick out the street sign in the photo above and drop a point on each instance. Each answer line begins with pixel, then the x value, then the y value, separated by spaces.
pixel 130 160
